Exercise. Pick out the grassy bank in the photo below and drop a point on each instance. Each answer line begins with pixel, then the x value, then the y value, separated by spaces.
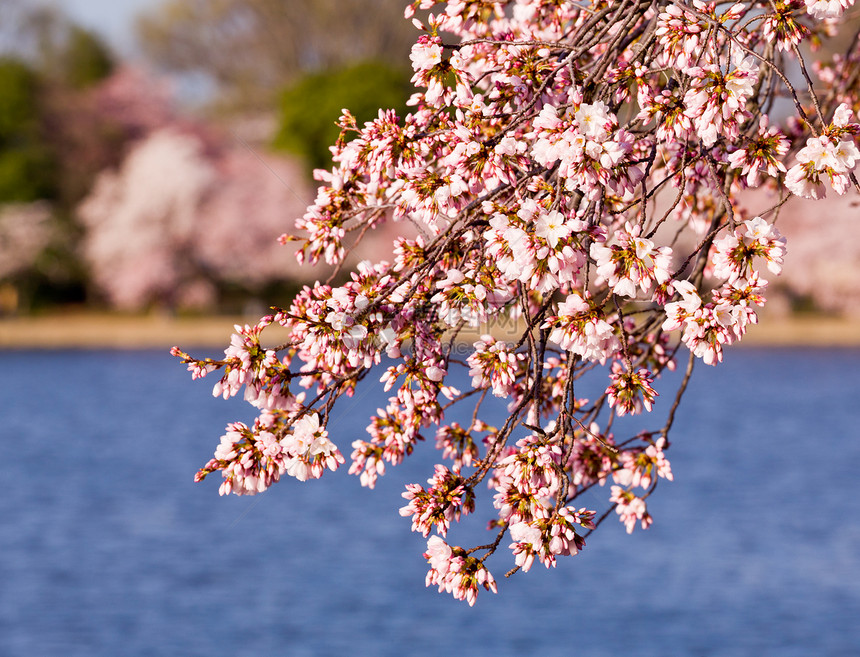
pixel 84 330
pixel 113 331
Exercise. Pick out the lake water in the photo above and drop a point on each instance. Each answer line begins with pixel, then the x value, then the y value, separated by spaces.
pixel 109 549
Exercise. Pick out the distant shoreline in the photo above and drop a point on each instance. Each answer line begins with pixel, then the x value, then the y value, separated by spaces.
pixel 85 330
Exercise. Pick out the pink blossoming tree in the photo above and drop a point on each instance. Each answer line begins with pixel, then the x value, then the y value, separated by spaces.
pixel 158 227
pixel 557 154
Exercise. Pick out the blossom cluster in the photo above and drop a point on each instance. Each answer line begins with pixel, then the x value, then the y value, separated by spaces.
pixel 571 180
pixel 455 572
pixel 445 500
pixel 251 460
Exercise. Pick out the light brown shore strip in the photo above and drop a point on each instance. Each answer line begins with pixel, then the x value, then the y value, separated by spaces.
pixel 113 331
pixel 110 331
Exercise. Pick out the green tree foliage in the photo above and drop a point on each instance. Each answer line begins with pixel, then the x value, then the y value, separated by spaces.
pixel 27 167
pixel 27 173
pixel 311 107
pixel 58 49
pixel 85 58
pixel 251 48
pixel 52 143
pixel 39 105
pixel 18 99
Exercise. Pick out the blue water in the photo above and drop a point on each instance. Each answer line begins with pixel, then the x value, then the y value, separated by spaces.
pixel 109 548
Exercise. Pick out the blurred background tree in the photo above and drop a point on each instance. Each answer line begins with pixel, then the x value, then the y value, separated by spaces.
pixel 52 145
pixel 307 59
pixel 84 58
pixel 310 107
pixel 57 47
pixel 78 124
pixel 28 169
pixel 251 49
pixel 190 221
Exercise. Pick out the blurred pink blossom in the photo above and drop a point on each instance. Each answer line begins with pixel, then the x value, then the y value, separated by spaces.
pixel 825 252
pixel 184 213
pixel 25 230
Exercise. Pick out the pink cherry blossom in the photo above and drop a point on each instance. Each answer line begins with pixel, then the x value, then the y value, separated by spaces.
pixel 827 9
pixel 630 509
pixel 572 181
pixel 630 391
pixel 447 498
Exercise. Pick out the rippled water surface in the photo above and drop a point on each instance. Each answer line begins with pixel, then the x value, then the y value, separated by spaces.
pixel 108 547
